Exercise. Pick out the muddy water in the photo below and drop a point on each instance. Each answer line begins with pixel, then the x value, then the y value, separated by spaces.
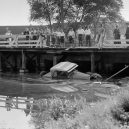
pixel 21 87
pixel 16 87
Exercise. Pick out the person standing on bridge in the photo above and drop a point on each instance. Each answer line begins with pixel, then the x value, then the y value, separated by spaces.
pixel 71 36
pixel 80 35
pixel 9 34
pixel 87 33
pixel 27 33
pixel 9 37
pixel 62 38
pixel 100 33
pixel 116 34
pixel 58 34
pixel 127 33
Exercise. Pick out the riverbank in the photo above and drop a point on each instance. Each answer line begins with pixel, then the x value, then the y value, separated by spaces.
pixel 63 113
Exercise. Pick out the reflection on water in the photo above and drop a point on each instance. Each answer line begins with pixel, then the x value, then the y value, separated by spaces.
pixel 17 94
pixel 14 119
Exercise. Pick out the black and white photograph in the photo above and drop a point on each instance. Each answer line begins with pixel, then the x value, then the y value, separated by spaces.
pixel 64 64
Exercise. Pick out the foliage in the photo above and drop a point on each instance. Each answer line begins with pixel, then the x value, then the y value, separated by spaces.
pixel 120 111
pixel 71 11
pixel 110 8
pixel 42 10
pixel 54 109
pixel 59 113
pixel 95 11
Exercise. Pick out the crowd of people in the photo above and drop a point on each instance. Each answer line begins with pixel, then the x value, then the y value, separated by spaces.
pixel 117 34
pixel 83 36
pixel 58 38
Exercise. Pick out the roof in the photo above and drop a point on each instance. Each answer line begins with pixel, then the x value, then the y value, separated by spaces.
pixel 64 66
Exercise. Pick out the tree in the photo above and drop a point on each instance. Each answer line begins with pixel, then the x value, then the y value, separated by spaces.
pixel 94 9
pixel 70 11
pixel 42 10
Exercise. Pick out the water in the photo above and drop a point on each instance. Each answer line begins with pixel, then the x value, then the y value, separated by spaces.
pixel 16 87
pixel 28 85
pixel 20 87
pixel 13 86
pixel 14 119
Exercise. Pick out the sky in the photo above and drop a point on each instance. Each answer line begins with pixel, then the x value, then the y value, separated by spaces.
pixel 125 10
pixel 16 12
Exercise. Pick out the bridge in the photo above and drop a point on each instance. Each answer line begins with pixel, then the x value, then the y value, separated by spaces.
pixel 19 54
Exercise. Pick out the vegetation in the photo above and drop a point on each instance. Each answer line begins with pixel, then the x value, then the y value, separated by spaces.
pixel 73 11
pixel 56 113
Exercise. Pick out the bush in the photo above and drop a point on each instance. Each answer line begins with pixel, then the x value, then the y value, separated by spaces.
pixel 55 109
pixel 120 110
pixel 56 113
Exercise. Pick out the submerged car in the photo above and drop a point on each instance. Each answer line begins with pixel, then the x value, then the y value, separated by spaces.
pixel 66 70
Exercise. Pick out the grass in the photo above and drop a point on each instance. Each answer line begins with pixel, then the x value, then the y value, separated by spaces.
pixel 57 113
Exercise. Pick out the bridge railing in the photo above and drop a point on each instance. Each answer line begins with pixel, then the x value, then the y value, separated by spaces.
pixel 40 41
pixel 7 40
pixel 26 41
pixel 114 43
pixel 19 41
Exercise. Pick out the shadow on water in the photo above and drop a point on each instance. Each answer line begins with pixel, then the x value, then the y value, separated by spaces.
pixel 25 85
pixel 19 91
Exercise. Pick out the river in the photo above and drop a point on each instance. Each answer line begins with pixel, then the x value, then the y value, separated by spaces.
pixel 21 87
pixel 14 85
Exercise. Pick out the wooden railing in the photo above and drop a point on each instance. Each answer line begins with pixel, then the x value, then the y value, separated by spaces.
pixel 113 43
pixel 7 41
pixel 119 43
pixel 24 41
pixel 19 41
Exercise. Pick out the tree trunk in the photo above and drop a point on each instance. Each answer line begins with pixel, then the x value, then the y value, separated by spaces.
pixel 50 23
pixel 49 17
pixel 62 14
